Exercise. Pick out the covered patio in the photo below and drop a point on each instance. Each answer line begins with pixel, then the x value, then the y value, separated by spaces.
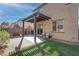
pixel 34 18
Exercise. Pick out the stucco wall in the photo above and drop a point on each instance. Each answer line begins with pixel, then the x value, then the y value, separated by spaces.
pixel 61 11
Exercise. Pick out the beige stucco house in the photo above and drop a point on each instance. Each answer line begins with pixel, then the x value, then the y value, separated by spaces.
pixel 63 21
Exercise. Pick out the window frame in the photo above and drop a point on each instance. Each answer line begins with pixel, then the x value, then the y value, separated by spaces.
pixel 58 30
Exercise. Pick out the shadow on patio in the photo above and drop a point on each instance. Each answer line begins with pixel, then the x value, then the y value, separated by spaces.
pixel 29 38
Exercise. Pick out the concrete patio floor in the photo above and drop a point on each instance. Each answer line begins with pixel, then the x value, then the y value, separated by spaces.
pixel 14 42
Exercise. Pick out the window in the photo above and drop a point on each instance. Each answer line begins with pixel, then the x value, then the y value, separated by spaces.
pixel 58 26
pixel 40 29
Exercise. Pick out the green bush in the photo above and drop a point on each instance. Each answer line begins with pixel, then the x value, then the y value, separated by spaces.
pixel 4 37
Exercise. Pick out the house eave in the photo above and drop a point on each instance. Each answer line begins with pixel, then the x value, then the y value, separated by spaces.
pixel 39 17
pixel 39 7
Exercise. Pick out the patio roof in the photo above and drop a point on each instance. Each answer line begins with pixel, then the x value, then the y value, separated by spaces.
pixel 39 17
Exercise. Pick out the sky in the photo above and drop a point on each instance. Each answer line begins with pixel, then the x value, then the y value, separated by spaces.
pixel 12 12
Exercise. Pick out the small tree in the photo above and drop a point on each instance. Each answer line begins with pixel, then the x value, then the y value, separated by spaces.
pixel 4 37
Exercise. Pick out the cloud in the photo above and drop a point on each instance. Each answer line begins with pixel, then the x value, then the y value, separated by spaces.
pixel 12 4
pixel 2 13
pixel 14 11
pixel 19 7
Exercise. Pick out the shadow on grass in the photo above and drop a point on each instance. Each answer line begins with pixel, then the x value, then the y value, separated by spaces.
pixel 50 47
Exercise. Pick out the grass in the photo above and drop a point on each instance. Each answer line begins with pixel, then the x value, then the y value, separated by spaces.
pixel 50 47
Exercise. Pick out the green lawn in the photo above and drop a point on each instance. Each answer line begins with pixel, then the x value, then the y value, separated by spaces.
pixel 50 47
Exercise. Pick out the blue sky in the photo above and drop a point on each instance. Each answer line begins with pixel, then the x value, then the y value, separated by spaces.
pixel 11 12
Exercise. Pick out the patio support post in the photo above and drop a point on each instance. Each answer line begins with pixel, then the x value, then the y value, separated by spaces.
pixel 35 36
pixel 35 29
pixel 23 30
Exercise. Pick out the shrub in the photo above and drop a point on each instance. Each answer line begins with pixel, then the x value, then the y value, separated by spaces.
pixel 4 37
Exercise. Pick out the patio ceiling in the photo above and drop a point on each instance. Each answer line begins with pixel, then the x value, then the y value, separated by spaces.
pixel 39 17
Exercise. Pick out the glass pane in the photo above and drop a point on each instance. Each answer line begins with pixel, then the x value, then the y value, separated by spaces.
pixel 54 26
pixel 40 26
pixel 39 31
pixel 60 26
